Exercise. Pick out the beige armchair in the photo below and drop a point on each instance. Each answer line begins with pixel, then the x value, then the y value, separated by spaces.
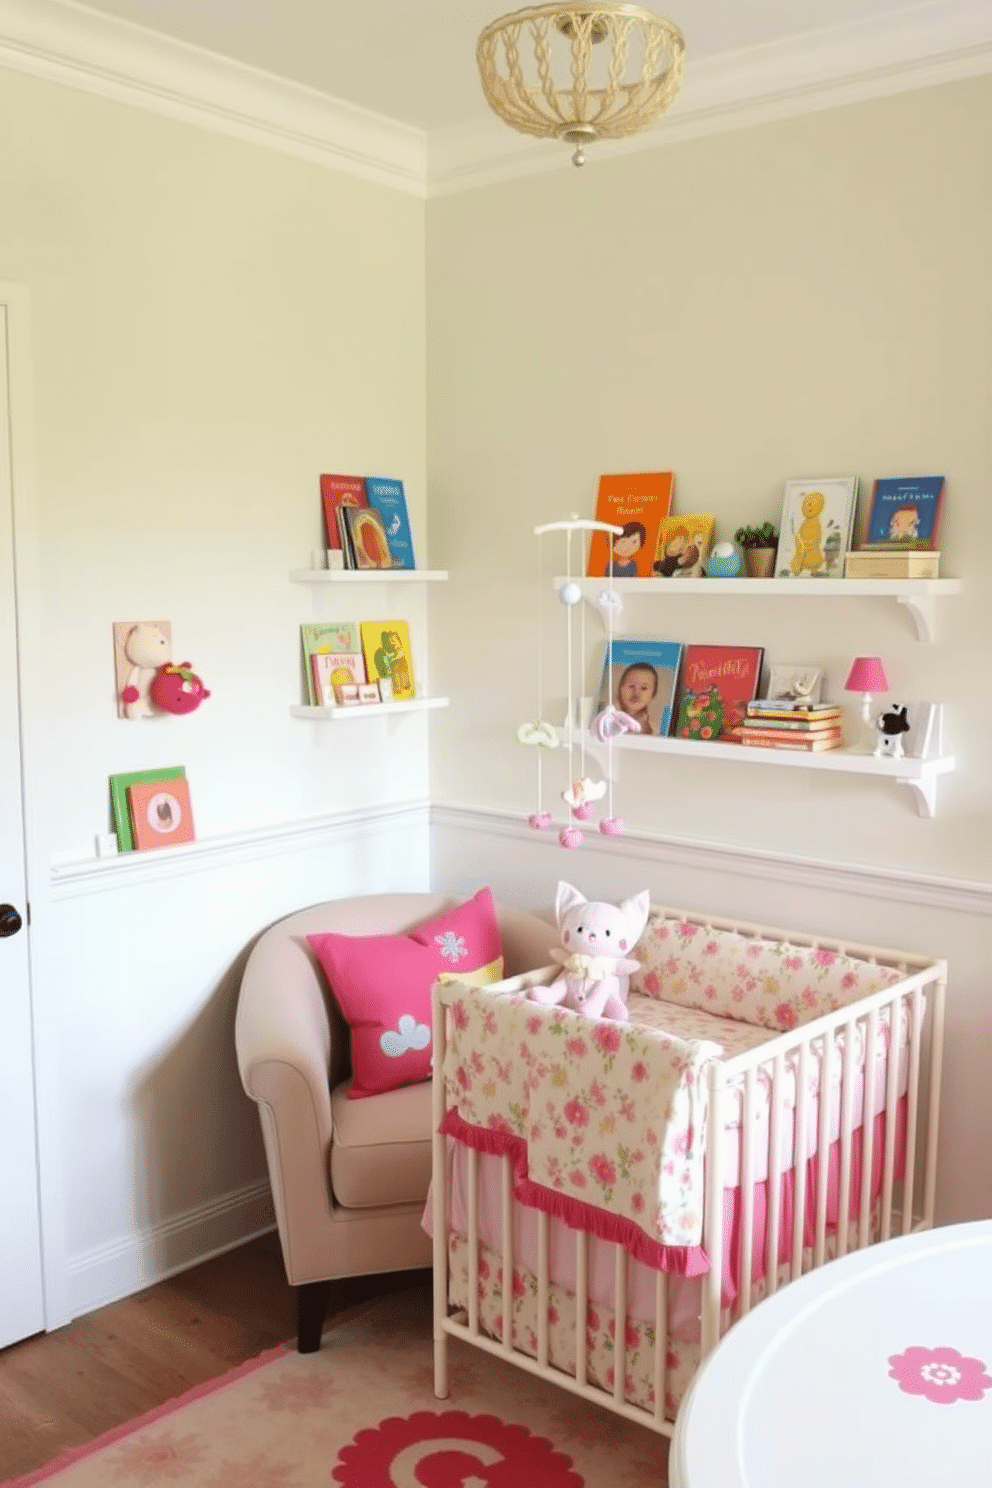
pixel 349 1177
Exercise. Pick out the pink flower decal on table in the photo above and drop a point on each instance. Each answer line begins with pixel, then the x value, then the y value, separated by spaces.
pixel 941 1374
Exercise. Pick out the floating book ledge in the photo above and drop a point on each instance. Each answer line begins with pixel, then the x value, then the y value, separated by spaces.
pixel 920 774
pixel 367 575
pixel 341 714
pixel 918 595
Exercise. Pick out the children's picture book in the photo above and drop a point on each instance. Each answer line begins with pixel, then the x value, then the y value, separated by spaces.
pixel 812 743
pixel 639 677
pixel 161 814
pixel 683 546
pixel 388 498
pixel 334 669
pixel 118 798
pixel 337 636
pixel 815 531
pixel 337 491
pixel 904 513
pixel 367 541
pixel 636 503
pixel 716 686
pixel 794 684
pixel 386 648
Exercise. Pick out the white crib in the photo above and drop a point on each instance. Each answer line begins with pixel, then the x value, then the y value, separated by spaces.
pixel 789 1179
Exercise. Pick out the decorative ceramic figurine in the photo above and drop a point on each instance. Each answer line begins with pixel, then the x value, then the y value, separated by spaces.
pixel 177 689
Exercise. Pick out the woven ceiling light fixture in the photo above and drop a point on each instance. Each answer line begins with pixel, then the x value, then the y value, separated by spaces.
pixel 580 72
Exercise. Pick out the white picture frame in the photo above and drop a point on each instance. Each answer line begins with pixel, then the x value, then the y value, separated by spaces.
pixel 794 683
pixel 816 526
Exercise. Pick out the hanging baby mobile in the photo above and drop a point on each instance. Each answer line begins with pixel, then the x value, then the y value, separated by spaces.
pixel 583 794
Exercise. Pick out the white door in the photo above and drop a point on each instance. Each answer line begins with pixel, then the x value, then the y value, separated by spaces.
pixel 21 1303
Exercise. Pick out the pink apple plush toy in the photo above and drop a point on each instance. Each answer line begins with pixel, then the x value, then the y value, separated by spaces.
pixel 595 957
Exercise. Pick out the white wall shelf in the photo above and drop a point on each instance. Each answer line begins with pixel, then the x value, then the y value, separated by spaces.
pixel 919 596
pixel 350 712
pixel 367 575
pixel 920 774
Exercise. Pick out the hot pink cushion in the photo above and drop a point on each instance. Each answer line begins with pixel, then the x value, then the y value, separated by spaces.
pixel 383 983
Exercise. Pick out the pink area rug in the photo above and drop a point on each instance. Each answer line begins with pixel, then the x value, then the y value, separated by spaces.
pixel 361 1413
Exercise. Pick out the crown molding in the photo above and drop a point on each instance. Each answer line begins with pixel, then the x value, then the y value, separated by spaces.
pixel 65 43
pixel 932 43
pixel 939 42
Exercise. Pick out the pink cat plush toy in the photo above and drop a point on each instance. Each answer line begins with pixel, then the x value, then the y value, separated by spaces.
pixel 596 940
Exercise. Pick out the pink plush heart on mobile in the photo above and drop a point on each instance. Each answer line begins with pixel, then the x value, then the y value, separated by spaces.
pixel 540 821
pixel 570 837
pixel 611 826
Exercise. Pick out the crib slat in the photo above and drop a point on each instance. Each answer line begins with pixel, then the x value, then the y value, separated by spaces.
pixel 867 1127
pixel 660 1343
pixel 506 1177
pixel 543 1287
pixel 912 1110
pixel 823 1145
pixel 748 1139
pixel 933 1112
pixel 619 1323
pixel 846 1135
pixel 439 1194
pixel 472 1159
pixel 713 1213
pixel 773 1206
pixel 581 1306
pixel 896 1008
pixel 799 1161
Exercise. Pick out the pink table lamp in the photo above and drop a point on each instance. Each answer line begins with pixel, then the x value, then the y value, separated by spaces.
pixel 867 676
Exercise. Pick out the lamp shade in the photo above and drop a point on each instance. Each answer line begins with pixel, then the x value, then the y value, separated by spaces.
pixel 867 674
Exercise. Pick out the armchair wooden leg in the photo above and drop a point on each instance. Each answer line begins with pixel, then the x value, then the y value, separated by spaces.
pixel 311 1309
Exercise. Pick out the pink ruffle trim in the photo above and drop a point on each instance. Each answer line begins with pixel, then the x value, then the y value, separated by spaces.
pixel 681 1260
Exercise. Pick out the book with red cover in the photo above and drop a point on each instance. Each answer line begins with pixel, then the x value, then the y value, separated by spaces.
pixel 716 685
pixel 335 491
pixel 161 814
pixel 638 503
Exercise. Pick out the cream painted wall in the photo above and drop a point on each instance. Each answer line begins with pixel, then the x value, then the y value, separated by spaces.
pixel 214 325
pixel 805 298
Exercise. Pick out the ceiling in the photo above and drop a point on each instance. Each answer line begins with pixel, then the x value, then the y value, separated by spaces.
pixel 388 89
pixel 414 60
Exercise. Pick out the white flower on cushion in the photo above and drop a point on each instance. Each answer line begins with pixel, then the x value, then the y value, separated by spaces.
pixel 451 946
pixel 411 1035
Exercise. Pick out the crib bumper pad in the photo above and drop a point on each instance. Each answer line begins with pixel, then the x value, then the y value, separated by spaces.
pixel 604 1121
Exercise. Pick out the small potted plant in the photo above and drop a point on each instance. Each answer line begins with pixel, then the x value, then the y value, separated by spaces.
pixel 760 545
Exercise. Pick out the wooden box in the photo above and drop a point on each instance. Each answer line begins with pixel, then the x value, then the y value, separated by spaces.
pixel 881 564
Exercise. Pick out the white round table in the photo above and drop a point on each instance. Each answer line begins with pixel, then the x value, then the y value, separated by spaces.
pixel 874 1371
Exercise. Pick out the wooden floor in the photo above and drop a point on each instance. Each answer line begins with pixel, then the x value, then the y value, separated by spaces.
pixel 61 1389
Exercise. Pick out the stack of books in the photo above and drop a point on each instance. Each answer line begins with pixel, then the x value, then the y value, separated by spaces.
pixel 773 723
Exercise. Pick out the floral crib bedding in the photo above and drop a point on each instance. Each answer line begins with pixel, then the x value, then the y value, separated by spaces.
pixel 563 1098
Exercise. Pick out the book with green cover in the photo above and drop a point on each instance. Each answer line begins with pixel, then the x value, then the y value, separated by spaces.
pixel 118 799
pixel 339 636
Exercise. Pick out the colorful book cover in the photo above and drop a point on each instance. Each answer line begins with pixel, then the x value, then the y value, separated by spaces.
pixel 118 799
pixel 904 513
pixel 161 814
pixel 386 648
pixel 761 735
pixel 638 504
pixel 815 530
pixel 339 636
pixel 716 686
pixel 335 491
pixel 367 537
pixel 683 546
pixel 639 678
pixel 333 669
pixel 811 746
pixel 388 498
pixel 759 724
pixel 782 708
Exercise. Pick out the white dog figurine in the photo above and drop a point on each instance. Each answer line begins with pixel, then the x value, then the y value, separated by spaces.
pixel 596 965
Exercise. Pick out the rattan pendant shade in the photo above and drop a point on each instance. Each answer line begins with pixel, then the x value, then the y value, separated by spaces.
pixel 580 72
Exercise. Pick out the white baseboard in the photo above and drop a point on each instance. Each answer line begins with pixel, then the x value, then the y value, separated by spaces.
pixel 136 1261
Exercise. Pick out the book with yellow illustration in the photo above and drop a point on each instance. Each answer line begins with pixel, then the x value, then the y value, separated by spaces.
pixel 636 504
pixel 683 546
pixel 386 648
